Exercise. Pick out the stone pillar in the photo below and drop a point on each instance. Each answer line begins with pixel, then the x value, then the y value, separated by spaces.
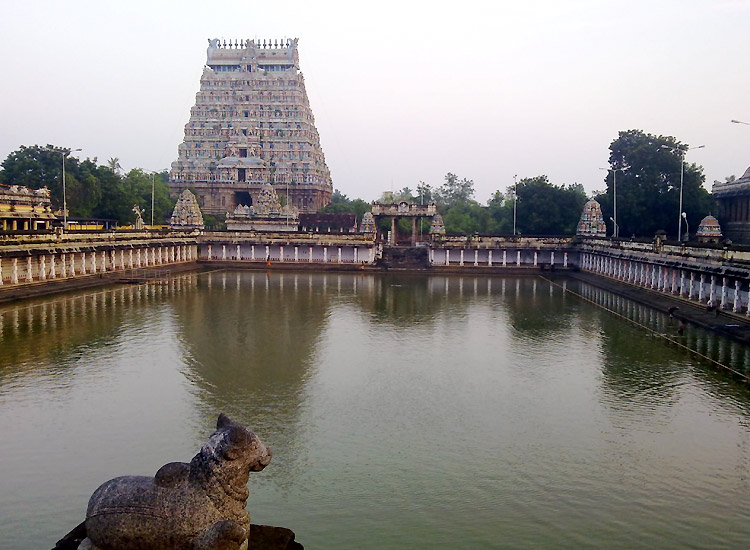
pixel 268 253
pixel 113 260
pixel 296 253
pixel 393 234
pixel 72 259
pixel 210 253
pixel 461 256
pixel 14 272
pixel 42 268
pixel 737 301
pixel 682 282
pixel 83 263
pixel 700 289
pixel 52 269
pixel 29 276
pixel 310 254
pixel 63 265
pixel 674 282
pixel 338 259
pixel 565 259
pixel 224 252
pixel 131 263
pixel 536 257
pixel 518 258
pixel 325 254
pixel 505 258
pixel 690 286
pixel 489 258
pixel 723 293
pixel 281 253
pixel 476 256
pixel 1 271
pixel 239 252
pixel 93 262
pixel 122 259
pixel 153 256
pixel 138 257
pixel 552 258
pixel 712 290
pixel 414 231
pixel 447 256
pixel 252 252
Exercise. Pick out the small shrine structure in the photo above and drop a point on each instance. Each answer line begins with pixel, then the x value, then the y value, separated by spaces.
pixel 591 223
pixel 266 214
pixel 186 213
pixel 709 230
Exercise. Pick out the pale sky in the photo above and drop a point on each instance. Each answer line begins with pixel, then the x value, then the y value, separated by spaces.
pixel 402 92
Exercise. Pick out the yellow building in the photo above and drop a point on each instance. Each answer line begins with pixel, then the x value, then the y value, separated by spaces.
pixel 25 209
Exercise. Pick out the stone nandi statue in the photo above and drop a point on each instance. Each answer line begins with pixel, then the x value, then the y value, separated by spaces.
pixel 196 506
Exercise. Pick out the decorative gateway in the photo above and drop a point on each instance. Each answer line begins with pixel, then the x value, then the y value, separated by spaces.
pixel 187 213
pixel 592 221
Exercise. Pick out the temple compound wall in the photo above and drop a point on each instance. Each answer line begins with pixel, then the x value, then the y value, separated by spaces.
pixel 252 125
pixel 289 248
pixel 59 257
pixel 720 275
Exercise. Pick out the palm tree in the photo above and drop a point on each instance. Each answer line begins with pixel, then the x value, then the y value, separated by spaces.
pixel 114 165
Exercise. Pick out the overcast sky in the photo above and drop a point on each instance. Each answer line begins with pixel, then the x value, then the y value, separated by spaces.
pixel 402 92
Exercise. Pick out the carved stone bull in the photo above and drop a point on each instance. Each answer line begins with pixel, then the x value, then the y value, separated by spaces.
pixel 196 506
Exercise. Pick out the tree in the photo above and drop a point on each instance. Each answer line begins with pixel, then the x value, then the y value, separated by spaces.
pixel 114 165
pixel 546 209
pixel 454 190
pixel 648 185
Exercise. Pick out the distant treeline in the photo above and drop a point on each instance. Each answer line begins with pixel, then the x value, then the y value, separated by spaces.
pixel 92 190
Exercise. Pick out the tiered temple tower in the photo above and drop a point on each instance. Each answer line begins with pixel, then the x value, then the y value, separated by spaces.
pixel 252 125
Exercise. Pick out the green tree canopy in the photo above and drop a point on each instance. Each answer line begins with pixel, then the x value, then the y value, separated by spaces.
pixel 92 190
pixel 647 172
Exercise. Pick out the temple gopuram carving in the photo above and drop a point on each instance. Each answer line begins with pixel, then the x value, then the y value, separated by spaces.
pixel 252 125
pixel 266 214
pixel 186 213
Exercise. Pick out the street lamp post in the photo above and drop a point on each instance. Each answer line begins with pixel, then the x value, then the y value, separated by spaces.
pixel 682 178
pixel 63 153
pixel 515 202
pixel 617 227
pixel 687 226
pixel 740 122
pixel 614 193
pixel 153 186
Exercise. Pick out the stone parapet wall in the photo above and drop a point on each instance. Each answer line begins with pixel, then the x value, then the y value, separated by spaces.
pixel 46 258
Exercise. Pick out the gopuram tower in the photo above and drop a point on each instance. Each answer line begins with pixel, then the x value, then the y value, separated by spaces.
pixel 252 125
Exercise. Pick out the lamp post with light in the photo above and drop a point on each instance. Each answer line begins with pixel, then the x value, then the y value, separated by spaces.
pixel 740 122
pixel 614 193
pixel 682 178
pixel 687 226
pixel 153 184
pixel 63 153
pixel 515 202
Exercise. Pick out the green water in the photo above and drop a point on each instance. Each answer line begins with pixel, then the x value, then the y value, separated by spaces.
pixel 403 411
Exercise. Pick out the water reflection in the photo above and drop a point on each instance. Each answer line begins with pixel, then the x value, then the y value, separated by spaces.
pixel 529 416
